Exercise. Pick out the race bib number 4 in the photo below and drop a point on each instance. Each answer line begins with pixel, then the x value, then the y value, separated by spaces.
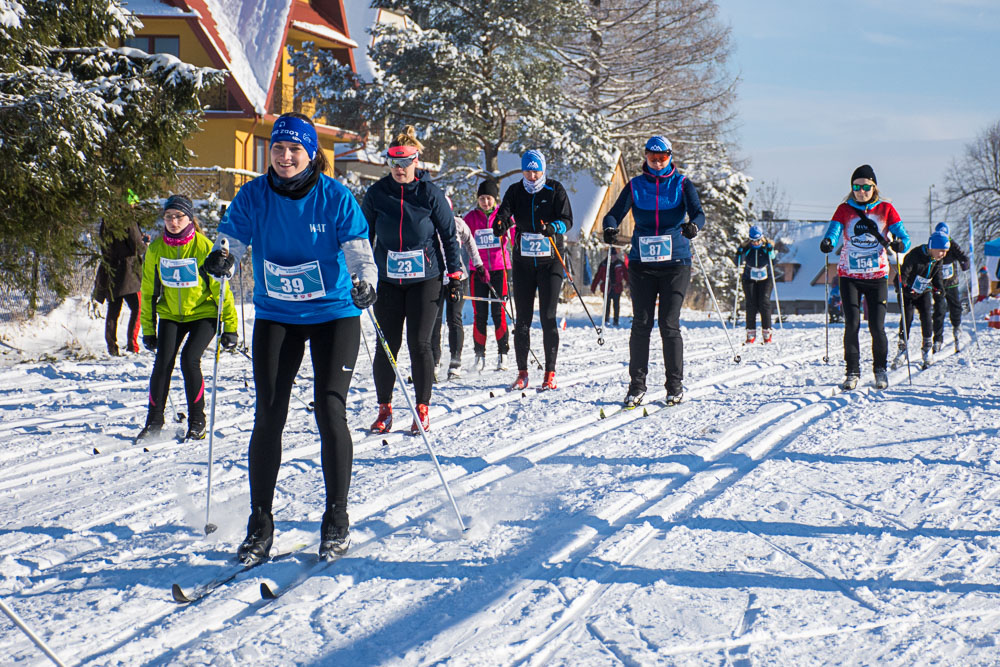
pixel 535 245
pixel 406 264
pixel 655 248
pixel 863 262
pixel 179 272
pixel 293 283
pixel 485 239
pixel 758 273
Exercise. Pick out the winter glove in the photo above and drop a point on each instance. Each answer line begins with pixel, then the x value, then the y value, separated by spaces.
pixel 610 235
pixel 363 295
pixel 964 265
pixel 897 245
pixel 499 227
pixel 548 229
pixel 826 246
pixel 456 290
pixel 219 264
pixel 483 274
pixel 689 230
pixel 768 247
pixel 149 342
pixel 229 340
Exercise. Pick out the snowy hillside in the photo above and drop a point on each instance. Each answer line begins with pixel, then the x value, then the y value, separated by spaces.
pixel 768 519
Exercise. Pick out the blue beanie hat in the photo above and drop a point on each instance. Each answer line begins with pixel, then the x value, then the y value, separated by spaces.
pixel 296 130
pixel 939 241
pixel 943 228
pixel 658 144
pixel 533 161
pixel 756 232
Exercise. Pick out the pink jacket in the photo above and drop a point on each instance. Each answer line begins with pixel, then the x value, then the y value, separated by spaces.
pixel 494 258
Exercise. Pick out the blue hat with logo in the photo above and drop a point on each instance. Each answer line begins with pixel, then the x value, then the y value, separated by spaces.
pixel 756 232
pixel 942 227
pixel 939 241
pixel 658 144
pixel 533 161
pixel 296 130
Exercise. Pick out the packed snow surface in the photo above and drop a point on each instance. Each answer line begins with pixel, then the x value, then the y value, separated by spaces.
pixel 769 519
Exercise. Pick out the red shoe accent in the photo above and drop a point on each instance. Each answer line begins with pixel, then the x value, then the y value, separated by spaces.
pixel 751 336
pixel 521 382
pixel 550 380
pixel 767 336
pixel 424 419
pixel 383 423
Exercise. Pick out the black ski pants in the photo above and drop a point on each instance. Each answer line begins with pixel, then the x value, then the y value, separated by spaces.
pixel 923 304
pixel 949 298
pixel 496 310
pixel 876 293
pixel 546 278
pixel 456 330
pixel 758 296
pixel 416 305
pixel 111 322
pixel 669 284
pixel 278 349
pixel 169 337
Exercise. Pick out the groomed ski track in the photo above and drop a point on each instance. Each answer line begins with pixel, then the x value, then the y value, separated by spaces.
pixel 677 536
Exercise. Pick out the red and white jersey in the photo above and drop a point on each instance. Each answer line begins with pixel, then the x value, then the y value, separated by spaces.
pixel 863 254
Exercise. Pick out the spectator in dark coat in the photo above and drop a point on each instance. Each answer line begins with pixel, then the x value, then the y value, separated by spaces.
pixel 616 284
pixel 119 278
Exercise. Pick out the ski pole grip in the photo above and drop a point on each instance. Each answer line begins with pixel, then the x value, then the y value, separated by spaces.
pixel 355 280
pixel 225 246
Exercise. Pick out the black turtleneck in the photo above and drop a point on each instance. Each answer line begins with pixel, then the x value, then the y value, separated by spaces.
pixel 296 187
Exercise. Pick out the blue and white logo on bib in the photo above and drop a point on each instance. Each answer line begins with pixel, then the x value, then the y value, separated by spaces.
pixel 177 273
pixel 656 248
pixel 535 245
pixel 758 273
pixel 293 283
pixel 948 271
pixel 921 284
pixel 406 264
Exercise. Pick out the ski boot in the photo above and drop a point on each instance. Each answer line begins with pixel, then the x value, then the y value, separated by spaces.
pixel 335 537
pixel 196 428
pixel 925 353
pixel 633 398
pixel 425 420
pixel 674 395
pixel 851 381
pixel 455 367
pixel 938 344
pixel 260 537
pixel 767 336
pixel 751 336
pixel 958 346
pixel 881 379
pixel 900 357
pixel 382 423
pixel 480 363
pixel 549 382
pixel 501 362
pixel 151 431
pixel 521 382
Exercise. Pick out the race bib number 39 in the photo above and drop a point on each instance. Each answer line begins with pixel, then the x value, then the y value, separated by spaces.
pixel 407 264
pixel 485 239
pixel 293 283
pixel 758 273
pixel 179 272
pixel 655 248
pixel 535 245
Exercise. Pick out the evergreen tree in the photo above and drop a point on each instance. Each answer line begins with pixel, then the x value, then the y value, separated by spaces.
pixel 81 122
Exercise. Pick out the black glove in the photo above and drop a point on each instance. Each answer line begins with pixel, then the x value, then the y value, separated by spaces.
pixel 499 227
pixel 548 229
pixel 826 246
pixel 363 295
pixel 229 340
pixel 897 245
pixel 964 265
pixel 456 290
pixel 149 342
pixel 219 264
pixel 689 230
pixel 610 235
pixel 483 274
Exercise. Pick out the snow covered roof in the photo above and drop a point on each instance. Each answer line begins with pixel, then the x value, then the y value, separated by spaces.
pixel 155 8
pixel 326 32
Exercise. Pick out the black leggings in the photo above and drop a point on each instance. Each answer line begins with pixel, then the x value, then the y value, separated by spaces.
pixel 169 337
pixel 277 353
pixel 670 284
pixel 416 304
pixel 497 310
pixel 876 294
pixel 758 294
pixel 948 297
pixel 547 279
pixel 924 305
pixel 456 332
pixel 111 323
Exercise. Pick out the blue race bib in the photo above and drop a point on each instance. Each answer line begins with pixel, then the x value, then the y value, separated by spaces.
pixel 293 283
pixel 656 248
pixel 863 261
pixel 178 273
pixel 535 245
pixel 485 239
pixel 406 264
pixel 758 274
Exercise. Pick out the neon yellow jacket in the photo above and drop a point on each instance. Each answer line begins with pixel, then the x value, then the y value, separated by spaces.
pixel 182 304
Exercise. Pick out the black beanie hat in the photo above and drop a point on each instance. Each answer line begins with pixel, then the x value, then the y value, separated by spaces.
pixel 180 203
pixel 864 171
pixel 488 187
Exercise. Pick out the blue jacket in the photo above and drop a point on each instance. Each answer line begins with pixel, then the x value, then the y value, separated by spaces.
pixel 755 257
pixel 286 233
pixel 659 205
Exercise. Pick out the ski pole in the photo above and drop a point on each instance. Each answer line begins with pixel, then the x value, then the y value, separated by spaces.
pixel 736 291
pixel 607 281
pixel 777 299
pixel 178 416
pixel 904 331
pixel 413 409
pixel 209 526
pixel 510 314
pixel 600 332
pixel 35 639
pixel 484 299
pixel 826 304
pixel 243 312
pixel 736 358
pixel 972 309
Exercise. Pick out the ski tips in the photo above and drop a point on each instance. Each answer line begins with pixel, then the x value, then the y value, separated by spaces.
pixel 523 395
pixel 210 528
pixel 491 395
pixel 266 592
pixel 601 414
pixel 145 449
pixel 645 413
pixel 385 443
pixel 96 451
pixel 178 594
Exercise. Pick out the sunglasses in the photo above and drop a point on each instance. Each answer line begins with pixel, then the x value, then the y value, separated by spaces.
pixel 401 162
pixel 658 156
pixel 866 188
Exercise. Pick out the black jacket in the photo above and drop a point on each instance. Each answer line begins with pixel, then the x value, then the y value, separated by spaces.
pixel 528 211
pixel 954 261
pixel 920 271
pixel 120 270
pixel 411 216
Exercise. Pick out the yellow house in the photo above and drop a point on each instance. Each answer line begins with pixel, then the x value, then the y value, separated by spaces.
pixel 249 40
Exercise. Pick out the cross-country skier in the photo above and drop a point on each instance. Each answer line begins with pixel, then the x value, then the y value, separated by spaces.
pixel 407 214
pixel 920 278
pixel 956 260
pixel 308 237
pixel 864 222
pixel 756 254
pixel 175 288
pixel 495 253
pixel 538 208
pixel 667 214
pixel 616 284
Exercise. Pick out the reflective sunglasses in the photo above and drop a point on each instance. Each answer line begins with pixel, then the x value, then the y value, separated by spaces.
pixel 866 188
pixel 659 156
pixel 401 162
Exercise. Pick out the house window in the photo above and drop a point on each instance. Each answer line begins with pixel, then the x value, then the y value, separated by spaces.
pixel 156 44
pixel 261 159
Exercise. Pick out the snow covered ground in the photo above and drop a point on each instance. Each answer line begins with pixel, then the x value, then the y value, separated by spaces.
pixel 769 519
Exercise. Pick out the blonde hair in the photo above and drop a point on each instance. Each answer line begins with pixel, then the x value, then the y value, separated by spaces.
pixel 408 137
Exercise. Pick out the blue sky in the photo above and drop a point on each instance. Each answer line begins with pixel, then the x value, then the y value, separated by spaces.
pixel 902 85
